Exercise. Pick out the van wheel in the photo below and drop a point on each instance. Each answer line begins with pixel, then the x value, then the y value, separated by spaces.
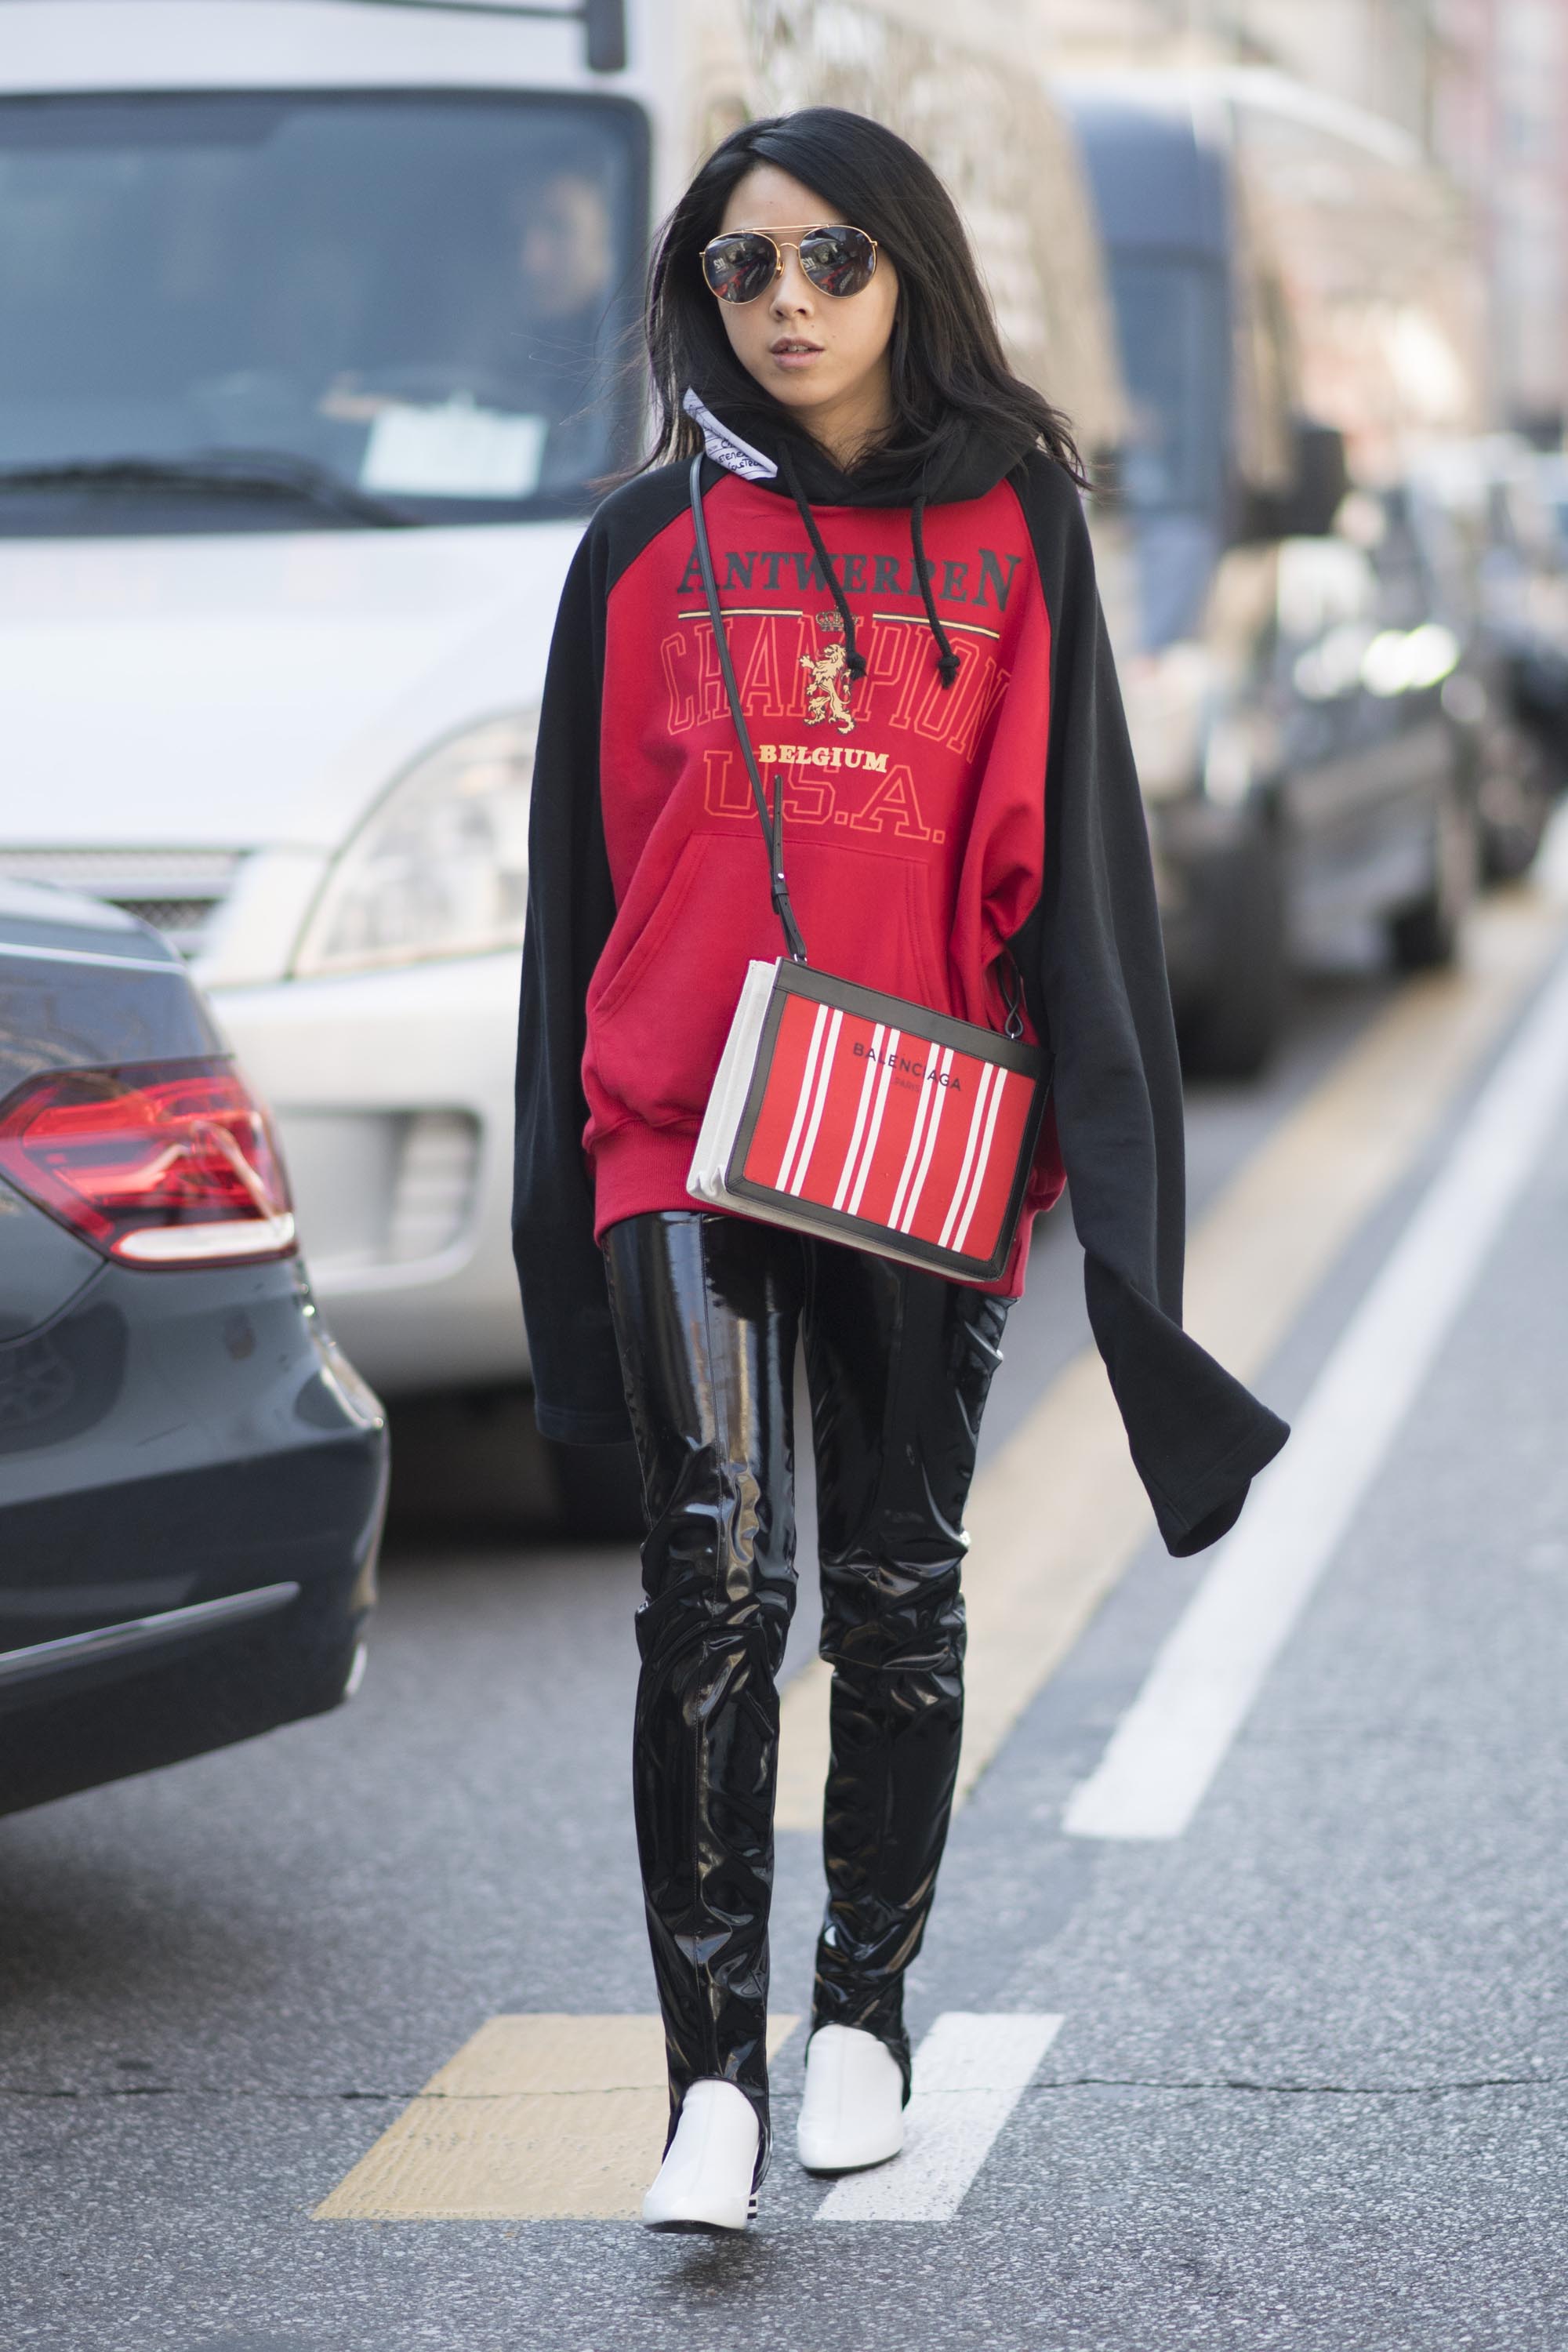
pixel 1426 937
pixel 1232 1032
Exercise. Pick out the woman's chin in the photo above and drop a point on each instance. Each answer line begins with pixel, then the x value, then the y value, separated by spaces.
pixel 796 386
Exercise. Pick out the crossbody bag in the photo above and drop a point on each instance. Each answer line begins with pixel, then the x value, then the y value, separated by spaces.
pixel 863 1117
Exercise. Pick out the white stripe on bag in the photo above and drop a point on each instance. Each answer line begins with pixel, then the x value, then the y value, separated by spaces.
pixel 817 1026
pixel 940 1091
pixel 847 1172
pixel 913 1153
pixel 955 1206
pixel 997 1093
pixel 869 1154
pixel 824 1086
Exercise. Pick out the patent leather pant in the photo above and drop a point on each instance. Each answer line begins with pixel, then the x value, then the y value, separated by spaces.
pixel 708 1310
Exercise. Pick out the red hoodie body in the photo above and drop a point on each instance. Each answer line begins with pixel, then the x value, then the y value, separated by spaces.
pixel 937 837
pixel 912 811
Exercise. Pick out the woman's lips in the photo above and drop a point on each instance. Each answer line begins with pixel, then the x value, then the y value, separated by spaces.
pixel 791 353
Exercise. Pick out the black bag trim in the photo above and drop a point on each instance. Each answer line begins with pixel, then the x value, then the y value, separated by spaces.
pixel 965 1036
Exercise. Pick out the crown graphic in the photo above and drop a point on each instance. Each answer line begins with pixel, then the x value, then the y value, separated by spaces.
pixel 831 624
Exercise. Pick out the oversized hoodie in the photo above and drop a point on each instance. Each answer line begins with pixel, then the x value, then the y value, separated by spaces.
pixel 928 667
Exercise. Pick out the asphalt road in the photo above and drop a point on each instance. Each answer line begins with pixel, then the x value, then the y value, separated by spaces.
pixel 1310 2085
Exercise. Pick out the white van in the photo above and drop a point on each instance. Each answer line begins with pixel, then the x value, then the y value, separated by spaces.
pixel 318 314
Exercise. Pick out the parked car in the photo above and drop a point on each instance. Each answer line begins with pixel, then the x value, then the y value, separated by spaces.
pixel 1483 514
pixel 192 1475
pixel 1301 774
pixel 1428 555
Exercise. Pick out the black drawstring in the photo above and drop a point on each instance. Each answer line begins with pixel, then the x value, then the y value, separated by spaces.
pixel 947 660
pixel 854 660
pixel 770 813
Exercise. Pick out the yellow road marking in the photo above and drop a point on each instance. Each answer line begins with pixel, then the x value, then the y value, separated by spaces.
pixel 1056 1518
pixel 536 2119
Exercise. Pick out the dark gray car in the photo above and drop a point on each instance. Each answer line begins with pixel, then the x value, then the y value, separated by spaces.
pixel 192 1476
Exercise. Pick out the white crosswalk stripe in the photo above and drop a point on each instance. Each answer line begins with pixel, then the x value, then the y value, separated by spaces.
pixel 1202 1686
pixel 970 2073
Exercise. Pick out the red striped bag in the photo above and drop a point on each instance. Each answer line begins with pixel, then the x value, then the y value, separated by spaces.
pixel 861 1117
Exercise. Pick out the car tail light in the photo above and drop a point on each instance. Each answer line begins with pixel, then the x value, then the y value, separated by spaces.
pixel 165 1164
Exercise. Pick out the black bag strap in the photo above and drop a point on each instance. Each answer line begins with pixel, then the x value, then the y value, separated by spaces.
pixel 771 819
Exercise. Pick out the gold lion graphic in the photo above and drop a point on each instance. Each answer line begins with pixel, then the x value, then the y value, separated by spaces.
pixel 825 697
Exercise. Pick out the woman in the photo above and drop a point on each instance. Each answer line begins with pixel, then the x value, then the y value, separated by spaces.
pixel 911 607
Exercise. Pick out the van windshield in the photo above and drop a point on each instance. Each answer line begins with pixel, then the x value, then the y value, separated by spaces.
pixel 243 311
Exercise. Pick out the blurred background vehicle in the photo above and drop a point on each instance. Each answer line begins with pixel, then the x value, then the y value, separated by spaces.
pixel 192 1475
pixel 1480 517
pixel 1302 775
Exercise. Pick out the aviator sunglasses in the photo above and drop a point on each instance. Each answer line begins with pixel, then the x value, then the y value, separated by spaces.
pixel 742 264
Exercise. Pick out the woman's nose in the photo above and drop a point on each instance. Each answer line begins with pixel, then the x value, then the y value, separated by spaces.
pixel 792 287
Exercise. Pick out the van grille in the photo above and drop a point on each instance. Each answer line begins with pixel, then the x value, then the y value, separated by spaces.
pixel 178 891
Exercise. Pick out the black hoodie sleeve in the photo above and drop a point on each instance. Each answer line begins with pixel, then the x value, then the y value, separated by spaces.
pixel 1094 972
pixel 571 907
pixel 577 1391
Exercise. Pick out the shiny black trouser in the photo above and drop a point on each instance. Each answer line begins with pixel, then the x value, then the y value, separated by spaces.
pixel 898 1362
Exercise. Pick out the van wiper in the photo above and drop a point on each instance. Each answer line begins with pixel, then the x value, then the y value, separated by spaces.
pixel 238 473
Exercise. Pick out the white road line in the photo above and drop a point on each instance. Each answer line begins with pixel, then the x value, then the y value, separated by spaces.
pixel 1173 1737
pixel 1035 1580
pixel 969 2075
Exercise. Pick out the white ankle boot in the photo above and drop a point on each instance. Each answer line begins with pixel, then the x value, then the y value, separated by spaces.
pixel 705 2181
pixel 853 2111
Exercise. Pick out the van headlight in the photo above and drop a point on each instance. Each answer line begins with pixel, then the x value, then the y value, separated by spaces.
pixel 440 868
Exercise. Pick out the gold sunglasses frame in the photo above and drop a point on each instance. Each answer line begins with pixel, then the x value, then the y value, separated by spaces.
pixel 781 245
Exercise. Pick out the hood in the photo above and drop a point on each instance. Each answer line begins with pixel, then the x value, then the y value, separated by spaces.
pixel 957 466
pixel 255 690
pixel 752 442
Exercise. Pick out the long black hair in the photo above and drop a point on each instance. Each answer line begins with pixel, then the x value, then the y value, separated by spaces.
pixel 949 376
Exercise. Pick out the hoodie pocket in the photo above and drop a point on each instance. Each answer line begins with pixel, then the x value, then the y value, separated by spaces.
pixel 869 920
pixel 928 967
pixel 644 950
pixel 656 1030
